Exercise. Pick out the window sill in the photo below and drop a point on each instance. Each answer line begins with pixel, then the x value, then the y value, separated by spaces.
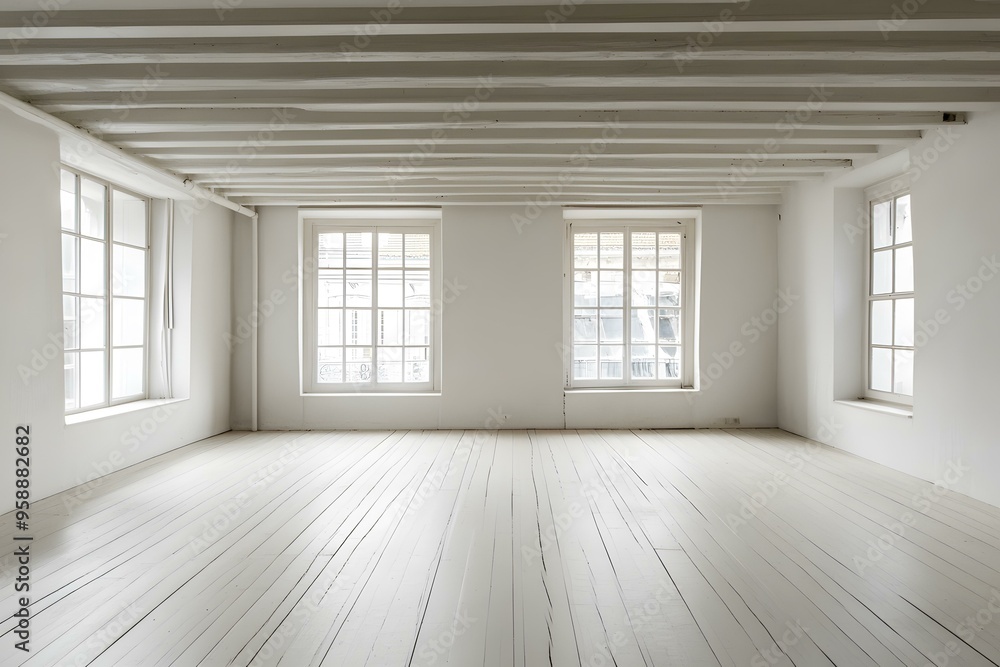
pixel 123 409
pixel 630 390
pixel 355 394
pixel 884 408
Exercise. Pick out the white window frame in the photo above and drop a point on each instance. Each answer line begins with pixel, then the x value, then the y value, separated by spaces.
pixel 879 194
pixel 109 243
pixel 314 222
pixel 687 221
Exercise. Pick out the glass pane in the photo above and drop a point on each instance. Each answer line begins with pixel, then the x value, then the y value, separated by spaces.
pixel 71 323
pixel 70 252
pixel 92 323
pixel 67 199
pixel 612 288
pixel 644 325
pixel 390 327
pixel 91 378
pixel 882 225
pixel 93 197
pixel 585 251
pixel 881 323
pixel 904 269
pixel 129 322
pixel 670 325
pixel 71 376
pixel 881 369
pixel 359 249
pixel 91 267
pixel 390 289
pixel 669 362
pixel 585 362
pixel 904 372
pixel 611 362
pixel 643 250
pixel 331 250
pixel 612 330
pixel 331 289
pixel 331 327
pixel 359 327
pixel 129 271
pixel 644 288
pixel 126 369
pixel 417 367
pixel 390 364
pixel 330 364
pixel 643 362
pixel 417 291
pixel 585 326
pixel 418 327
pixel 358 366
pixel 390 250
pixel 904 323
pixel 670 292
pixel 359 288
pixel 670 251
pixel 418 251
pixel 585 288
pixel 612 250
pixel 882 272
pixel 129 219
pixel 904 226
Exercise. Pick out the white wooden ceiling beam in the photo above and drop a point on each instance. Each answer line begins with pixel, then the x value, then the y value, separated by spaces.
pixel 512 200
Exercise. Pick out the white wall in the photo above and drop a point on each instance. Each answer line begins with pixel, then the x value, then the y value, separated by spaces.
pixel 502 366
pixel 30 271
pixel 956 393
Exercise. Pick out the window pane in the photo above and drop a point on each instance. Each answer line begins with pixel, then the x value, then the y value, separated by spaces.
pixel 390 289
pixel 129 271
pixel 881 323
pixel 71 323
pixel 670 251
pixel 70 252
pixel 669 362
pixel 644 288
pixel 904 372
pixel 331 327
pixel 612 330
pixel 91 379
pixel 331 250
pixel 585 251
pixel 67 200
pixel 644 250
pixel 91 267
pixel 92 213
pixel 585 362
pixel 129 219
pixel 585 326
pixel 881 369
pixel 611 362
pixel 390 250
pixel 71 376
pixel 670 292
pixel 670 325
pixel 612 288
pixel 644 325
pixel 904 226
pixel 882 224
pixel 390 328
pixel 359 249
pixel 904 322
pixel 92 323
pixel 359 327
pixel 612 250
pixel 358 365
pixel 882 272
pixel 418 327
pixel 643 362
pixel 585 288
pixel 359 288
pixel 129 322
pixel 127 373
pixel 330 364
pixel 390 364
pixel 416 367
pixel 417 291
pixel 331 289
pixel 904 269
pixel 418 251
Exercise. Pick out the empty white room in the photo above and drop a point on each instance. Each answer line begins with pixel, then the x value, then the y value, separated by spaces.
pixel 515 333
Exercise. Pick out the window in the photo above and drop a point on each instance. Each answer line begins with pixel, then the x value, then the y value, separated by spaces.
pixel 631 296
pixel 104 260
pixel 371 321
pixel 890 330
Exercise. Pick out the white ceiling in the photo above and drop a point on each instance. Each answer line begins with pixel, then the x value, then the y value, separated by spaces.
pixel 605 104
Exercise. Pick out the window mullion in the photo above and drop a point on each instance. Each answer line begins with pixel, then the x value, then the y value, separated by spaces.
pixel 374 306
pixel 108 291
pixel 627 305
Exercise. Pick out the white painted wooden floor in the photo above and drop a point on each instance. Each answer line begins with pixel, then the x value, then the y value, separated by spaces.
pixel 471 548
